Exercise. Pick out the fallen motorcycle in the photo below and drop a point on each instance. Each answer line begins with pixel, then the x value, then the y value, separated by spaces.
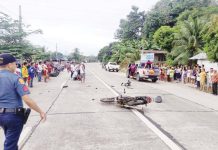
pixel 128 101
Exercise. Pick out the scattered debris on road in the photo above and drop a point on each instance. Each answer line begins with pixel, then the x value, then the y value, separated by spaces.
pixel 158 99
pixel 127 84
pixel 65 86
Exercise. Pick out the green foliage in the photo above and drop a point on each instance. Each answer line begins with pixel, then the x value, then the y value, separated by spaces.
pixel 187 41
pixel 105 53
pixel 164 37
pixel 131 28
pixel 158 16
pixel 165 13
pixel 76 56
pixel 12 38
pixel 211 38
pixel 203 13
pixel 181 27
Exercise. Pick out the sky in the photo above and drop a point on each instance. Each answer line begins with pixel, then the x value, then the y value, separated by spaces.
pixel 85 24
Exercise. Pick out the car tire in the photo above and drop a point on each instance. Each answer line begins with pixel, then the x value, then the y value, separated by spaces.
pixel 154 80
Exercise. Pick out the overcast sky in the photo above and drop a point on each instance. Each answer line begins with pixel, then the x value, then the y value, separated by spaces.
pixel 86 24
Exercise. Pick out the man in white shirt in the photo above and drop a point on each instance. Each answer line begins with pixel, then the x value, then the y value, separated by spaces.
pixel 72 66
pixel 82 72
pixel 39 71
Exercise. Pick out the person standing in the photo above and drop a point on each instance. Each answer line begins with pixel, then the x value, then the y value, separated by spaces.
pixel 168 74
pixel 178 74
pixel 198 78
pixel 132 69
pixel 49 69
pixel 39 71
pixel 13 92
pixel 45 72
pixel 202 79
pixel 171 73
pixel 82 72
pixel 72 66
pixel 31 72
pixel 214 79
pixel 18 70
pixel 184 75
pixel 209 80
pixel 24 72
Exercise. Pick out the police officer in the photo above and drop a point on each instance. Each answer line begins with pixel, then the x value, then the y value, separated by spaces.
pixel 13 92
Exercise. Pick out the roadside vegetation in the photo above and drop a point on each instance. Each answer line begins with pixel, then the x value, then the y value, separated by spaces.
pixel 183 28
pixel 13 36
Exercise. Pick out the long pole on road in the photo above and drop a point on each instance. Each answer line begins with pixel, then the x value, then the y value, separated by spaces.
pixel 30 132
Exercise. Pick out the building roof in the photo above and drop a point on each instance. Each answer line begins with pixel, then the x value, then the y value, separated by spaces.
pixel 154 51
pixel 200 56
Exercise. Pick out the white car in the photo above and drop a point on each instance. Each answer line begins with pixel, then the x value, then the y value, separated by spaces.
pixel 112 66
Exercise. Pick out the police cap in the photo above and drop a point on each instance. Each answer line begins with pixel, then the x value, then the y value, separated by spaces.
pixel 6 59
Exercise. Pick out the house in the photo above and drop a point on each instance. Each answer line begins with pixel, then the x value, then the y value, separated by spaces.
pixel 155 56
pixel 203 60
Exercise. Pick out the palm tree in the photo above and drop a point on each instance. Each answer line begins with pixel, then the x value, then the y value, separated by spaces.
pixel 210 36
pixel 187 41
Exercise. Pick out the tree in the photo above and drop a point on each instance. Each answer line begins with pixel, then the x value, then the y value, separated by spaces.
pixel 164 37
pixel 165 13
pixel 188 41
pixel 75 55
pixel 211 38
pixel 13 40
pixel 131 28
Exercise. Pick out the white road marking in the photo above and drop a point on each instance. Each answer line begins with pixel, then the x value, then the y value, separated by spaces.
pixel 115 93
pixel 148 123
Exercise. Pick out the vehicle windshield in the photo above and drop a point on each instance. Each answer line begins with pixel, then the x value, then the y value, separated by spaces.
pixel 141 65
pixel 113 63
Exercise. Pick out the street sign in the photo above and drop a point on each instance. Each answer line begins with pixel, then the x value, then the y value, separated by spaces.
pixel 147 56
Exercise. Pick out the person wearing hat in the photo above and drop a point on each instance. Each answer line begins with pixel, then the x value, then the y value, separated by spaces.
pixel 13 92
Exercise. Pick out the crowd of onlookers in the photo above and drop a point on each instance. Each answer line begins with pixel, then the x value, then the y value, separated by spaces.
pixel 43 70
pixel 39 70
pixel 197 76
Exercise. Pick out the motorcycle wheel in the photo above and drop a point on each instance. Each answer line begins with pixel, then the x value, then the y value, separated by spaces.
pixel 108 100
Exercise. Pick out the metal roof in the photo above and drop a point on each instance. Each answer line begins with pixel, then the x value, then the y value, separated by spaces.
pixel 200 56
pixel 155 51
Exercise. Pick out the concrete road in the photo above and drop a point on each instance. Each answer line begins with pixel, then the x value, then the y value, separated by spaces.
pixel 77 120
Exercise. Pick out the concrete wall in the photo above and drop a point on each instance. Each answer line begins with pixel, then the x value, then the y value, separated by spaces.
pixel 207 64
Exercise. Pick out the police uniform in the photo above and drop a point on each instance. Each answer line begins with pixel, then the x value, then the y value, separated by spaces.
pixel 12 88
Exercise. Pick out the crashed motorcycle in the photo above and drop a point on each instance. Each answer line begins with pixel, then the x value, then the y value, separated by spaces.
pixel 128 101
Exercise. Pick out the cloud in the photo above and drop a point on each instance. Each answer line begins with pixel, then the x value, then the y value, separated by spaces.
pixel 86 24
